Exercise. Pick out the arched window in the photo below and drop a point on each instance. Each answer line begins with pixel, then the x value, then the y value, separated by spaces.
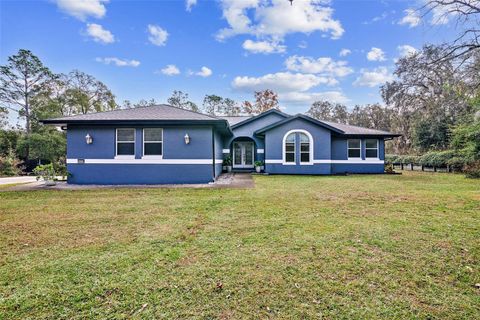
pixel 304 147
pixel 290 148
pixel 300 140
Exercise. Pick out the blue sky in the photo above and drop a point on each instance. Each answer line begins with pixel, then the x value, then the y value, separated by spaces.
pixel 147 49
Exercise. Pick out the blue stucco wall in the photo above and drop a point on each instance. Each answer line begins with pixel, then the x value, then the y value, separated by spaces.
pixel 339 148
pixel 139 173
pixel 174 147
pixel 274 148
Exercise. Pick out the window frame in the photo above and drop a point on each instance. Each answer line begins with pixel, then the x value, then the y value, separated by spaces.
pixel 310 140
pixel 309 148
pixel 376 148
pixel 125 156
pixel 359 148
pixel 294 149
pixel 151 156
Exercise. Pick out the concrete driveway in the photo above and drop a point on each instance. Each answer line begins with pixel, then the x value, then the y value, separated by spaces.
pixel 11 180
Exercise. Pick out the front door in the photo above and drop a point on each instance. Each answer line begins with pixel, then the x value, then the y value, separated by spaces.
pixel 243 154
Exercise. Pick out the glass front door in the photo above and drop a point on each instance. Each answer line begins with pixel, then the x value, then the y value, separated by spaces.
pixel 243 154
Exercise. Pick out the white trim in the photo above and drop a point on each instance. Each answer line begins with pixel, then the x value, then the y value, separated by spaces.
pixel 350 161
pixel 310 162
pixel 225 150
pixel 376 157
pixel 124 157
pixel 134 143
pixel 359 148
pixel 145 161
pixel 273 161
pixel 260 151
pixel 151 156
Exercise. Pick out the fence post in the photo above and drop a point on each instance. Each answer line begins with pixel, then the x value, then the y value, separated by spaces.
pixel 401 165
pixel 449 169
pixel 434 169
pixel 423 168
pixel 411 166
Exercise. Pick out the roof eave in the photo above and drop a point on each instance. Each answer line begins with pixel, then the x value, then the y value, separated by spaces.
pixel 241 123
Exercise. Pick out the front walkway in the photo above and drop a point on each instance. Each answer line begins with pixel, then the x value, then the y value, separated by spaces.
pixel 225 180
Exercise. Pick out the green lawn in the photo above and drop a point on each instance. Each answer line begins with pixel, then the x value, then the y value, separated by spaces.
pixel 361 247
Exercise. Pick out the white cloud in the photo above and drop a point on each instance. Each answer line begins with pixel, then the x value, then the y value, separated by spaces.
pixel 204 72
pixel 158 36
pixel 324 65
pixel 281 82
pixel 170 70
pixel 276 18
pixel 119 62
pixel 99 34
pixel 345 52
pixel 189 4
pixel 406 50
pixel 376 54
pixel 373 78
pixel 265 47
pixel 82 9
pixel 442 14
pixel 411 18
pixel 310 97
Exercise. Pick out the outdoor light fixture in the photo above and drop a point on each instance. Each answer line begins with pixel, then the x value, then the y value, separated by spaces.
pixel 187 138
pixel 88 139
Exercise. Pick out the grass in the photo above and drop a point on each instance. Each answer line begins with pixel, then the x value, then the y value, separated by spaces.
pixel 351 247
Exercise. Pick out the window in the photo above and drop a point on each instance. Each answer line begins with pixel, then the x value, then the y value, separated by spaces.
pixel 297 144
pixel 290 148
pixel 125 142
pixel 152 141
pixel 371 148
pixel 354 149
pixel 304 148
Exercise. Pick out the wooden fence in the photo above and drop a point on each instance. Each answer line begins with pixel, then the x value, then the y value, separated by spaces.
pixel 416 167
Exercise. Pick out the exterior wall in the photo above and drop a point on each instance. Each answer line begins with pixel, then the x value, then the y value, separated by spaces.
pixel 340 152
pixel 218 142
pixel 274 149
pixel 180 163
pixel 248 129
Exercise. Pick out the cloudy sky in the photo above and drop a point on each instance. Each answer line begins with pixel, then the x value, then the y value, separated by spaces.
pixel 336 50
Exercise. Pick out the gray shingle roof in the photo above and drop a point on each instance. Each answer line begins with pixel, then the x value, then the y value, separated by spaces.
pixel 349 129
pixel 235 119
pixel 157 112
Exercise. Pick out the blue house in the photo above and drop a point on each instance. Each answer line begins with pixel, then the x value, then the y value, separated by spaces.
pixel 163 144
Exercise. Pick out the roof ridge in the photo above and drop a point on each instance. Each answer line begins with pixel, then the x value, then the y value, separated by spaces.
pixel 352 125
pixel 203 114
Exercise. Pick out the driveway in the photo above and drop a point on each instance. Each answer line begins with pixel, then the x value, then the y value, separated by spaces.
pixel 11 180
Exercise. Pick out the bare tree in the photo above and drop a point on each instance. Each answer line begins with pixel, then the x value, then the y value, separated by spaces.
pixel 466 15
pixel 264 100
pixel 325 110
pixel 179 99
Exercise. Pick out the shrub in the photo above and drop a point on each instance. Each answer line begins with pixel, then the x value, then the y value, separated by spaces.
pixel 391 158
pixel 45 172
pixel 472 170
pixel 437 158
pixel 456 163
pixel 10 165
